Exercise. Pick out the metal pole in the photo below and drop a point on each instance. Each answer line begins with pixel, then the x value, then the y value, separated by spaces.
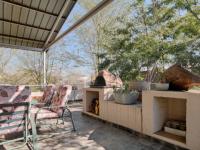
pixel 44 69
pixel 66 6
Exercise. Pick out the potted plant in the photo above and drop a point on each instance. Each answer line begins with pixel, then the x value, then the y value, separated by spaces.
pixel 124 96
pixel 161 84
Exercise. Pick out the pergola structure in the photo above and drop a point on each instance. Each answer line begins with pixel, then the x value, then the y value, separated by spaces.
pixel 33 25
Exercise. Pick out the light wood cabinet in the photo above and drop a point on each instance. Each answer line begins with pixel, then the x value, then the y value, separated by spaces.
pixel 160 106
pixel 103 105
pixel 112 112
pixel 157 107
pixel 135 118
pixel 123 115
pixel 129 116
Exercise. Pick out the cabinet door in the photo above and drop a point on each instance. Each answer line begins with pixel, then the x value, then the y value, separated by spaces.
pixel 103 109
pixel 131 118
pixel 138 119
pixel 113 112
pixel 123 115
pixel 135 120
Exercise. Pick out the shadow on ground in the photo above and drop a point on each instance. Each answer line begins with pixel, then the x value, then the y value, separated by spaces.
pixel 92 134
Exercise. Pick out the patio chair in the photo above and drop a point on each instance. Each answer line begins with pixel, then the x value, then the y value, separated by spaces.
pixel 15 118
pixel 48 94
pixel 14 94
pixel 57 109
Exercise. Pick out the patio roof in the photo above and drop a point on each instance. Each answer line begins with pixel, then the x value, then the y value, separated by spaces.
pixel 34 25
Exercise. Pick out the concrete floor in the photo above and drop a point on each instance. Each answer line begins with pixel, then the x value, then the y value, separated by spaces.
pixel 93 134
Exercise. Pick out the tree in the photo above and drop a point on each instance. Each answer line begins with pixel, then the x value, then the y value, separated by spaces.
pixel 91 36
pixel 5 57
pixel 155 33
pixel 186 34
pixel 30 67
pixel 137 41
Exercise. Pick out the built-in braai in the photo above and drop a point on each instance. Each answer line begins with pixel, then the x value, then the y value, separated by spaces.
pixel 100 81
pixel 107 79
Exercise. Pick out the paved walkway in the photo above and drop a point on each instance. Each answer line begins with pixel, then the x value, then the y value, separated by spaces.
pixel 93 134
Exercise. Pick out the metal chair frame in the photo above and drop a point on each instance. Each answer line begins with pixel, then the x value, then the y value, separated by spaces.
pixel 26 121
pixel 66 113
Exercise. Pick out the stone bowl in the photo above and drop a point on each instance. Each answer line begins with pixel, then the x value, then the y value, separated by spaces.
pixel 126 98
pixel 160 86
pixel 139 85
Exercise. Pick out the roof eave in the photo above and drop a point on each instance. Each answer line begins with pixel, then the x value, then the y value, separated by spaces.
pixel 20 47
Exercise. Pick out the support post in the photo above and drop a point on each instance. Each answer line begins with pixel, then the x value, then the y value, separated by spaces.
pixel 44 69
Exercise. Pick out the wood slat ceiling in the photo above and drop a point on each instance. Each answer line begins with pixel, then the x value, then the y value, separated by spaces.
pixel 28 23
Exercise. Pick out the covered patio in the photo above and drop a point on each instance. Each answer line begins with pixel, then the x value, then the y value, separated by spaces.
pixel 100 119
pixel 34 26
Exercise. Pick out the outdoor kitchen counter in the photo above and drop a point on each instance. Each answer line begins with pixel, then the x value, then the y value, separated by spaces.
pixel 149 117
pixel 129 116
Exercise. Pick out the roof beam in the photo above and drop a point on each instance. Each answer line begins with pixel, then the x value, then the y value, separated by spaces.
pixel 23 24
pixel 20 38
pixel 87 16
pixel 67 6
pixel 20 47
pixel 31 8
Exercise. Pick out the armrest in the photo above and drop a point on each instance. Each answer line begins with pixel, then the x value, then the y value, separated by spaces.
pixel 38 98
pixel 63 108
pixel 37 103
pixel 53 106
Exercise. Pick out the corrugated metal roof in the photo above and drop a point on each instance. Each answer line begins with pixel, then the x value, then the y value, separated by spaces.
pixel 28 24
